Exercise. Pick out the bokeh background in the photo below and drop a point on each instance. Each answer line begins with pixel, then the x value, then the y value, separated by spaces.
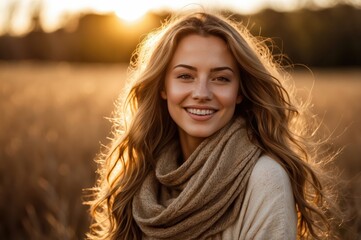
pixel 62 66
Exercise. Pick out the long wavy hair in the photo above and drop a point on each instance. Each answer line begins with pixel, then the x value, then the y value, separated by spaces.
pixel 143 126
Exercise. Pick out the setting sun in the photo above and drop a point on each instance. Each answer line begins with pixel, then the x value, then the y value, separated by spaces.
pixel 131 12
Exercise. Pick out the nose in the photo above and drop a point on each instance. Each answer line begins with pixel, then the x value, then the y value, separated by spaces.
pixel 201 90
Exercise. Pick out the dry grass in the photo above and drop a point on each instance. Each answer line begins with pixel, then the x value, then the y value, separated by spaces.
pixel 336 96
pixel 53 120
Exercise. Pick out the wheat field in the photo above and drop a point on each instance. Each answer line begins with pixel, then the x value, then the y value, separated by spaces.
pixel 54 120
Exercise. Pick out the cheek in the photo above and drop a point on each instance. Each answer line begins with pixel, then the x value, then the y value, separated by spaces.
pixel 229 98
pixel 176 93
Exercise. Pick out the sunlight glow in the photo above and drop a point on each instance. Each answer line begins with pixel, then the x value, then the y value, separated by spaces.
pixel 130 11
pixel 16 15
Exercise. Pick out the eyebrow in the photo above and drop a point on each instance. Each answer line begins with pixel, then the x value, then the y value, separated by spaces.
pixel 217 69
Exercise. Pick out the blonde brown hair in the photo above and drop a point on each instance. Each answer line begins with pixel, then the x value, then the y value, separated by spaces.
pixel 144 126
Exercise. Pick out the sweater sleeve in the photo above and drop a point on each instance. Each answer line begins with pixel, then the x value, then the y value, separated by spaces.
pixel 269 209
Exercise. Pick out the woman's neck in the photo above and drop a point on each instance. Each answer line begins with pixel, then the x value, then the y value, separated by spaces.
pixel 188 144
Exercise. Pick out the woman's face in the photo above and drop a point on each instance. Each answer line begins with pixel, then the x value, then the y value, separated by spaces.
pixel 201 87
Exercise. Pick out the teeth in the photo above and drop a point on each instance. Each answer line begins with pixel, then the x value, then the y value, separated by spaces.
pixel 201 112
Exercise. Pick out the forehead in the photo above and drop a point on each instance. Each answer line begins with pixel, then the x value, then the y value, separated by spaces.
pixel 210 50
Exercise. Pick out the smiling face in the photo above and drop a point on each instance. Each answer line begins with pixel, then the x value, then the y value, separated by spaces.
pixel 201 88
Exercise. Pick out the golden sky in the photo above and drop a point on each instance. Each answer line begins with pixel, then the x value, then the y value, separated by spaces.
pixel 53 12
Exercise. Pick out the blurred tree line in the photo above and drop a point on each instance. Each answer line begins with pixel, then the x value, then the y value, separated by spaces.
pixel 327 37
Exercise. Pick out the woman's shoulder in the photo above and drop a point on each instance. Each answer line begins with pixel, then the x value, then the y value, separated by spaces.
pixel 267 163
pixel 269 185
pixel 268 173
pixel 268 210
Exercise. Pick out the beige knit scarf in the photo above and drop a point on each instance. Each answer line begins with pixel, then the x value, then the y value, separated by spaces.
pixel 204 195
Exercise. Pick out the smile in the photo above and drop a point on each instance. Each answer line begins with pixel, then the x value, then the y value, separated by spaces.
pixel 200 112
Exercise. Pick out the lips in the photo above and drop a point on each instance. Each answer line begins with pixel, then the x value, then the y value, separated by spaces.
pixel 200 111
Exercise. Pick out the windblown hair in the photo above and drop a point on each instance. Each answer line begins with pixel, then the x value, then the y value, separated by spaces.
pixel 144 127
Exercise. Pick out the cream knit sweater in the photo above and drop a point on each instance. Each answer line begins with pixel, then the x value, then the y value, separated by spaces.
pixel 268 210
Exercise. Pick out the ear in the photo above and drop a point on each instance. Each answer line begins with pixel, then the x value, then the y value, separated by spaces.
pixel 163 94
pixel 239 99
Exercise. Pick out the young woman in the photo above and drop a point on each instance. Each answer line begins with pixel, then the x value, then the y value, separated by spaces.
pixel 209 143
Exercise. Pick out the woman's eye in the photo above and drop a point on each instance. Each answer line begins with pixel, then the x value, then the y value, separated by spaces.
pixel 221 79
pixel 184 76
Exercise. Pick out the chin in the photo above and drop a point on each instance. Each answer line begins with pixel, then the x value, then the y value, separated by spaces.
pixel 199 133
